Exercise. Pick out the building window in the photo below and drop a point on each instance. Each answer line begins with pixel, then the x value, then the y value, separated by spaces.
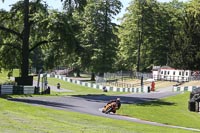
pixel 179 73
pixel 161 72
pixel 165 73
pixel 174 72
pixel 186 73
pixel 168 72
pixel 182 73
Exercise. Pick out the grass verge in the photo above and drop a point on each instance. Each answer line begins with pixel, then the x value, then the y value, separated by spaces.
pixel 23 118
pixel 171 110
pixel 26 118
pixel 77 89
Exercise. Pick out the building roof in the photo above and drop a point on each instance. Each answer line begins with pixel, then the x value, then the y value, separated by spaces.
pixel 157 68
pixel 167 67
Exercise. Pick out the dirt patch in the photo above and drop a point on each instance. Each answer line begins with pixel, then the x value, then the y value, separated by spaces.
pixel 137 83
pixel 191 83
pixel 163 84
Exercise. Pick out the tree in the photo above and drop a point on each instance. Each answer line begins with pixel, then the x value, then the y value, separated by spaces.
pixel 39 28
pixel 137 35
pixel 97 36
pixel 148 34
pixel 185 47
pixel 71 5
pixel 127 55
pixel 24 36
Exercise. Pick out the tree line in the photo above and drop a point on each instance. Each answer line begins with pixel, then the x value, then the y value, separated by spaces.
pixel 84 36
pixel 153 33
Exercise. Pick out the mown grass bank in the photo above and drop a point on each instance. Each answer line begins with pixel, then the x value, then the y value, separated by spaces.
pixel 24 118
pixel 19 117
pixel 172 110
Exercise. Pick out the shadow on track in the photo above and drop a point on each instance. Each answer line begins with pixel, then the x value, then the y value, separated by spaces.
pixel 141 101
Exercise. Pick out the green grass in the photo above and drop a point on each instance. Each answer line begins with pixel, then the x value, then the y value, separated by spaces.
pixel 77 89
pixel 171 110
pixel 24 118
pixel 4 75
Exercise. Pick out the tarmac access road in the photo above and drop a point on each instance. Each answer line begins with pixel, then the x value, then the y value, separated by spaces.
pixel 92 104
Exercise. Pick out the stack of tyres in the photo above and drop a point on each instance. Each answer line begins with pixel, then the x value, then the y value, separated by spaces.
pixel 149 90
pixel 47 91
pixel 37 90
pixel 191 105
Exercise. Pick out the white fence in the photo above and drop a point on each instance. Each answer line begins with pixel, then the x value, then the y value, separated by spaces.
pixel 144 89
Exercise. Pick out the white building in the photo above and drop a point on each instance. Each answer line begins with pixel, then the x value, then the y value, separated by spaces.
pixel 170 74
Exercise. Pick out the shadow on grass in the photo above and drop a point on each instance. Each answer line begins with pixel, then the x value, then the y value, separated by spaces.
pixel 42 102
pixel 156 103
pixel 13 96
pixel 5 96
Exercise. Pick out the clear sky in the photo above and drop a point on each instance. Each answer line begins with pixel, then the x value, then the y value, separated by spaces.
pixel 56 4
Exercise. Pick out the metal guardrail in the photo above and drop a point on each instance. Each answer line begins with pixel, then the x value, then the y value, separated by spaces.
pixel 6 89
pixel 144 89
pixel 10 89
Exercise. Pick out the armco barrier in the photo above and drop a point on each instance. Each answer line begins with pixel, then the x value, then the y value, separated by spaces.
pixel 96 86
pixel 29 89
pixel 6 89
pixel 184 88
pixel 18 90
pixel 10 89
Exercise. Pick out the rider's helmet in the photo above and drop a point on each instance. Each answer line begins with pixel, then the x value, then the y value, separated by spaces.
pixel 118 99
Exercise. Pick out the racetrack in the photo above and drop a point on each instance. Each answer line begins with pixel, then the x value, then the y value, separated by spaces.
pixel 91 104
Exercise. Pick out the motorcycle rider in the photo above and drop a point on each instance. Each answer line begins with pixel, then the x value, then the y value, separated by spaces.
pixel 118 104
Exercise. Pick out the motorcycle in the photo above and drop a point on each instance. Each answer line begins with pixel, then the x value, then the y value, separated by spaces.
pixel 111 107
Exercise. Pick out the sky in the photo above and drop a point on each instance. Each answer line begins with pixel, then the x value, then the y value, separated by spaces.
pixel 55 4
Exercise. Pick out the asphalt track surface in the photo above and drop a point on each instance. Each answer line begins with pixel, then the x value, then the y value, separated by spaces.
pixel 92 104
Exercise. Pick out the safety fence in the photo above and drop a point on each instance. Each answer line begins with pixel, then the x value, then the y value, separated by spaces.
pixel 184 88
pixel 11 89
pixel 144 89
pixel 126 74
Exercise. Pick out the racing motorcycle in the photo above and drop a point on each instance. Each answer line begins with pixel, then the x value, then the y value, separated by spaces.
pixel 111 107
